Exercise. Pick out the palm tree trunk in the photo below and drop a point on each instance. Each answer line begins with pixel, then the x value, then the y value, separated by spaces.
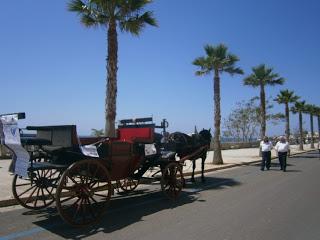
pixel 311 127
pixel 318 129
pixel 263 111
pixel 287 122
pixel 111 91
pixel 301 131
pixel 262 114
pixel 217 156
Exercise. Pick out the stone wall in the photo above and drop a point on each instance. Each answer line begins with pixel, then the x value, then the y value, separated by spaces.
pixel 225 146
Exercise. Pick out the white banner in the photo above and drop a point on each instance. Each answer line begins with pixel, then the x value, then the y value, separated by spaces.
pixel 10 137
pixel 150 149
pixel 89 150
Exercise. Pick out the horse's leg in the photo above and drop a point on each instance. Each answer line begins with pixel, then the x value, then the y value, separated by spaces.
pixel 202 168
pixel 193 168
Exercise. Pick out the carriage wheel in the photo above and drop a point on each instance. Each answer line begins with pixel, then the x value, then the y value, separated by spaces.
pixel 36 191
pixel 128 184
pixel 83 193
pixel 172 180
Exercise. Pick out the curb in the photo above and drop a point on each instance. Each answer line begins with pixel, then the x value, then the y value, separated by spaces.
pixel 241 164
pixel 12 201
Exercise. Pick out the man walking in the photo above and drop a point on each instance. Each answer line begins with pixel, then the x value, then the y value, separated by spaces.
pixel 266 147
pixel 282 147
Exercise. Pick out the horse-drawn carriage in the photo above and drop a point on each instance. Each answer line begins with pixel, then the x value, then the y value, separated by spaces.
pixel 79 174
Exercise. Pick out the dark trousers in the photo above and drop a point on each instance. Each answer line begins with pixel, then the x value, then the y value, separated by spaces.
pixel 282 160
pixel 266 160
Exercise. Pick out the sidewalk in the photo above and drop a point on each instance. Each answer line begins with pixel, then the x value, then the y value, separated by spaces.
pixel 231 158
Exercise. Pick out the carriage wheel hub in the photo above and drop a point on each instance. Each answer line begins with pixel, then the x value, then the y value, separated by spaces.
pixel 42 182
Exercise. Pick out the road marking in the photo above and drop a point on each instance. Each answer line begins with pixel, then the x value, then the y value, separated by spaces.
pixel 22 234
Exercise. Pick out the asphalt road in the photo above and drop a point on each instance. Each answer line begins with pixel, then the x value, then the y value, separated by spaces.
pixel 241 203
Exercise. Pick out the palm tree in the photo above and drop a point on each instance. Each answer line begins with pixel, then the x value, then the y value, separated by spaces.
pixel 311 109
pixel 217 61
pixel 126 15
pixel 285 97
pixel 97 132
pixel 299 107
pixel 318 116
pixel 261 77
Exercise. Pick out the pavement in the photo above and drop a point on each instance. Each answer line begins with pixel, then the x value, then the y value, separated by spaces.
pixel 231 158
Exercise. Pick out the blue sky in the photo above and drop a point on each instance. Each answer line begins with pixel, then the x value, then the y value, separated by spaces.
pixel 53 68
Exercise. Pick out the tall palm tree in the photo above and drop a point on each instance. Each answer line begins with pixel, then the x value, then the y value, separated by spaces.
pixel 217 60
pixel 261 77
pixel 318 116
pixel 299 107
pixel 311 110
pixel 125 15
pixel 285 97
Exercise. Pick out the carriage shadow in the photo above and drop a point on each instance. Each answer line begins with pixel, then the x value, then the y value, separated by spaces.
pixel 125 211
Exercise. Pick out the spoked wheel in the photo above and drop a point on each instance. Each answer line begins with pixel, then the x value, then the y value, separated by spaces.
pixel 172 180
pixel 128 184
pixel 83 193
pixel 36 191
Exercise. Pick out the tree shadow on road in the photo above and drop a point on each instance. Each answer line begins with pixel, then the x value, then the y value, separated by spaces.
pixel 125 211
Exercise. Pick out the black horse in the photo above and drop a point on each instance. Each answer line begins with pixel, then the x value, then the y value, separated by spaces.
pixel 185 145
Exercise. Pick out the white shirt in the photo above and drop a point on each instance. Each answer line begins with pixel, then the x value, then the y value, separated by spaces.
pixel 266 146
pixel 282 147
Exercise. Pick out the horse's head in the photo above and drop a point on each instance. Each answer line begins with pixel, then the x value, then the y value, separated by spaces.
pixel 205 136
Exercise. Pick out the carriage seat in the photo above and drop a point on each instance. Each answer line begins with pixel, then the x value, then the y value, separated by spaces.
pixel 52 149
pixel 55 136
pixel 35 141
pixel 46 166
pixel 61 140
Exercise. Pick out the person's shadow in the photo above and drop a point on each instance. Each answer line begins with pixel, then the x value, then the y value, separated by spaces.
pixel 126 210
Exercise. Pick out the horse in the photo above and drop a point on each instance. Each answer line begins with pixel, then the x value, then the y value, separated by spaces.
pixel 185 145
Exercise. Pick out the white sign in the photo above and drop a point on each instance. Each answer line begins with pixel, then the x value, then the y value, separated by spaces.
pixel 150 149
pixel 10 136
pixel 89 150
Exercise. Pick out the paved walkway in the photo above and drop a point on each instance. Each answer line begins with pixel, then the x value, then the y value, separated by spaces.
pixel 231 158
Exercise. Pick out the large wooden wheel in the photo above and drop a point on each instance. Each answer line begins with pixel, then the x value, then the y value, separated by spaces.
pixel 83 193
pixel 172 180
pixel 128 184
pixel 36 191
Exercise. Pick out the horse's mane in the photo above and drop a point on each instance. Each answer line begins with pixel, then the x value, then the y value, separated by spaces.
pixel 185 144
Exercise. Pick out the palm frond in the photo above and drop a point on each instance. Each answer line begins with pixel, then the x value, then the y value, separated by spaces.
pixel 134 25
pixel 88 21
pixel 200 61
pixel 210 50
pixel 232 70
pixel 77 6
pixel 126 7
pixel 91 12
pixel 262 74
pixel 218 59
pixel 298 107
pixel 202 72
pixel 275 81
pixel 286 96
pixel 221 51
pixel 251 80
